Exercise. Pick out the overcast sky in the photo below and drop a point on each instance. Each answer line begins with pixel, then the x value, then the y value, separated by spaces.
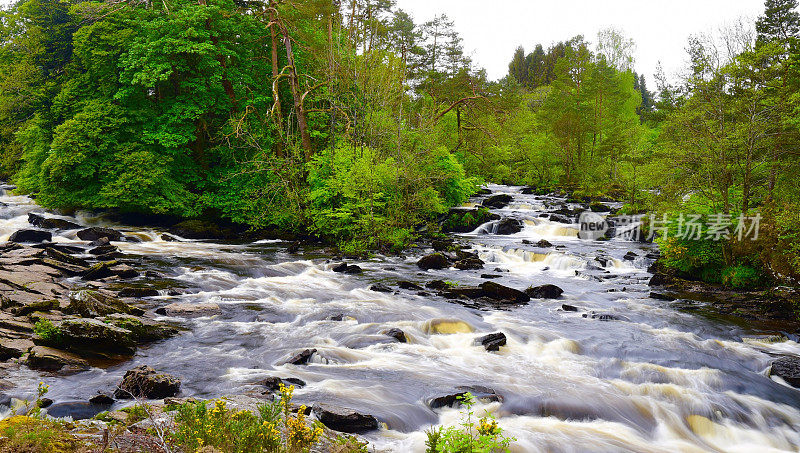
pixel 493 29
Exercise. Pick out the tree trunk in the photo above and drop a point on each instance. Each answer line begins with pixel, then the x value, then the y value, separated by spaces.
pixel 294 83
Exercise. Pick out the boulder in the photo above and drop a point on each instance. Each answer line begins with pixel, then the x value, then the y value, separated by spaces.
pixel 138 292
pixel 144 330
pixel 104 250
pixel 630 256
pixel 469 264
pixel 465 221
pixel 397 334
pixel 599 207
pixel 91 304
pixel 302 357
pixel 508 226
pixel 95 233
pixel 31 236
pixel 50 223
pixel 544 292
pixel 345 268
pixel 189 310
pixel 499 292
pixel 168 238
pixel 493 341
pixel 566 307
pixel 96 336
pixel 442 245
pixel 543 244
pixel 50 359
pixel 380 288
pixel 437 285
pixel 100 270
pixel 409 286
pixel 145 382
pixel 101 399
pixel 433 261
pixel 480 393
pixel 343 419
pixel 498 201
pixel 273 383
pixel 788 369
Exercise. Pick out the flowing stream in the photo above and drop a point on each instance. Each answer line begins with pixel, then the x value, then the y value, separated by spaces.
pixel 656 379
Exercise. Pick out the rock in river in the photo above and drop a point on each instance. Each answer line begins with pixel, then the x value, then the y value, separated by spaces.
pixel 493 341
pixel 50 223
pixel 788 369
pixel 95 233
pixel 508 226
pixel 544 292
pixel 49 359
pixel 343 419
pixel 145 382
pixel 31 236
pixel 91 304
pixel 97 336
pixel 498 201
pixel 433 261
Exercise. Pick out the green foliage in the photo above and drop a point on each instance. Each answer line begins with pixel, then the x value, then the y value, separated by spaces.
pixel 48 332
pixel 741 277
pixel 274 429
pixel 473 435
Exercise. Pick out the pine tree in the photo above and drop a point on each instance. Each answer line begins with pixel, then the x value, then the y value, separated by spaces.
pixel 780 21
pixel 516 68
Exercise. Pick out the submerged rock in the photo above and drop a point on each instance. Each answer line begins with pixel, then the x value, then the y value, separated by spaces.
pixel 145 382
pixel 544 292
pixel 31 236
pixel 433 261
pixel 493 341
pixel 96 233
pixel 396 333
pixel 343 419
pixel 788 369
pixel 447 326
pixel 380 288
pixel 302 357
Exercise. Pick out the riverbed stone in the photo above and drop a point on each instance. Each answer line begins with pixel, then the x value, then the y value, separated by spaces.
pixel 145 382
pixel 144 330
pixel 498 201
pixel 96 233
pixel 493 341
pixel 31 236
pixel 95 335
pixel 344 419
pixel 480 393
pixel 788 369
pixel 500 292
pixel 138 292
pixel 508 226
pixel 302 357
pixel 433 261
pixel 469 264
pixel 51 223
pixel 396 333
pixel 50 359
pixel 14 348
pixel 91 304
pixel 190 310
pixel 544 292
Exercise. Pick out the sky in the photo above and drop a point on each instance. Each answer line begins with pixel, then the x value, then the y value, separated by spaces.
pixel 493 29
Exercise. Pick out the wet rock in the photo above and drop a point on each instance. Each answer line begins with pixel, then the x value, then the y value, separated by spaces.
pixel 409 285
pixel 437 285
pixel 483 191
pixel 96 336
pixel 31 236
pixel 498 201
pixel 273 383
pixel 138 292
pixel 469 264
pixel 71 270
pixel 101 399
pixel 508 226
pixel 95 233
pixel 396 333
pixel 144 330
pixel 442 245
pixel 50 359
pixel 661 296
pixel 605 317
pixel 599 207
pixel 544 292
pixel 189 310
pixel 566 307
pixel 493 341
pixel 433 261
pixel 480 393
pixel 343 419
pixel 168 238
pixel 447 327
pixel 45 403
pixel 100 270
pixel 544 244
pixel 499 292
pixel 65 258
pixel 104 250
pixel 14 348
pixel 201 229
pixel 630 256
pixel 490 276
pixel 788 369
pixel 380 288
pixel 302 357
pixel 50 223
pixel 465 221
pixel 145 382
pixel 77 410
pixel 124 271
pixel 91 304
pixel 347 269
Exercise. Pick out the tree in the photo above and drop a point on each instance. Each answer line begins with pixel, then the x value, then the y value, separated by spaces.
pixel 780 21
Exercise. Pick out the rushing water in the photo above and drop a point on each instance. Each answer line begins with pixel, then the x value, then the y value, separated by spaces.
pixel 658 380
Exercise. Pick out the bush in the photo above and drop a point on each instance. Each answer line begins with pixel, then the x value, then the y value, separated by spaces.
pixel 741 277
pixel 472 436
pixel 274 429
pixel 48 332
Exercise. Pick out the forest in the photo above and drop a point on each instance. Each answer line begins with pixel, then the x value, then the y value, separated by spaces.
pixel 347 121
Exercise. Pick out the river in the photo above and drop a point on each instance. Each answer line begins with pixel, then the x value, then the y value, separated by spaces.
pixel 657 379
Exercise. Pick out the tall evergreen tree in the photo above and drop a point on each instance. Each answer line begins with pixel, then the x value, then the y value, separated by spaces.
pixel 780 21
